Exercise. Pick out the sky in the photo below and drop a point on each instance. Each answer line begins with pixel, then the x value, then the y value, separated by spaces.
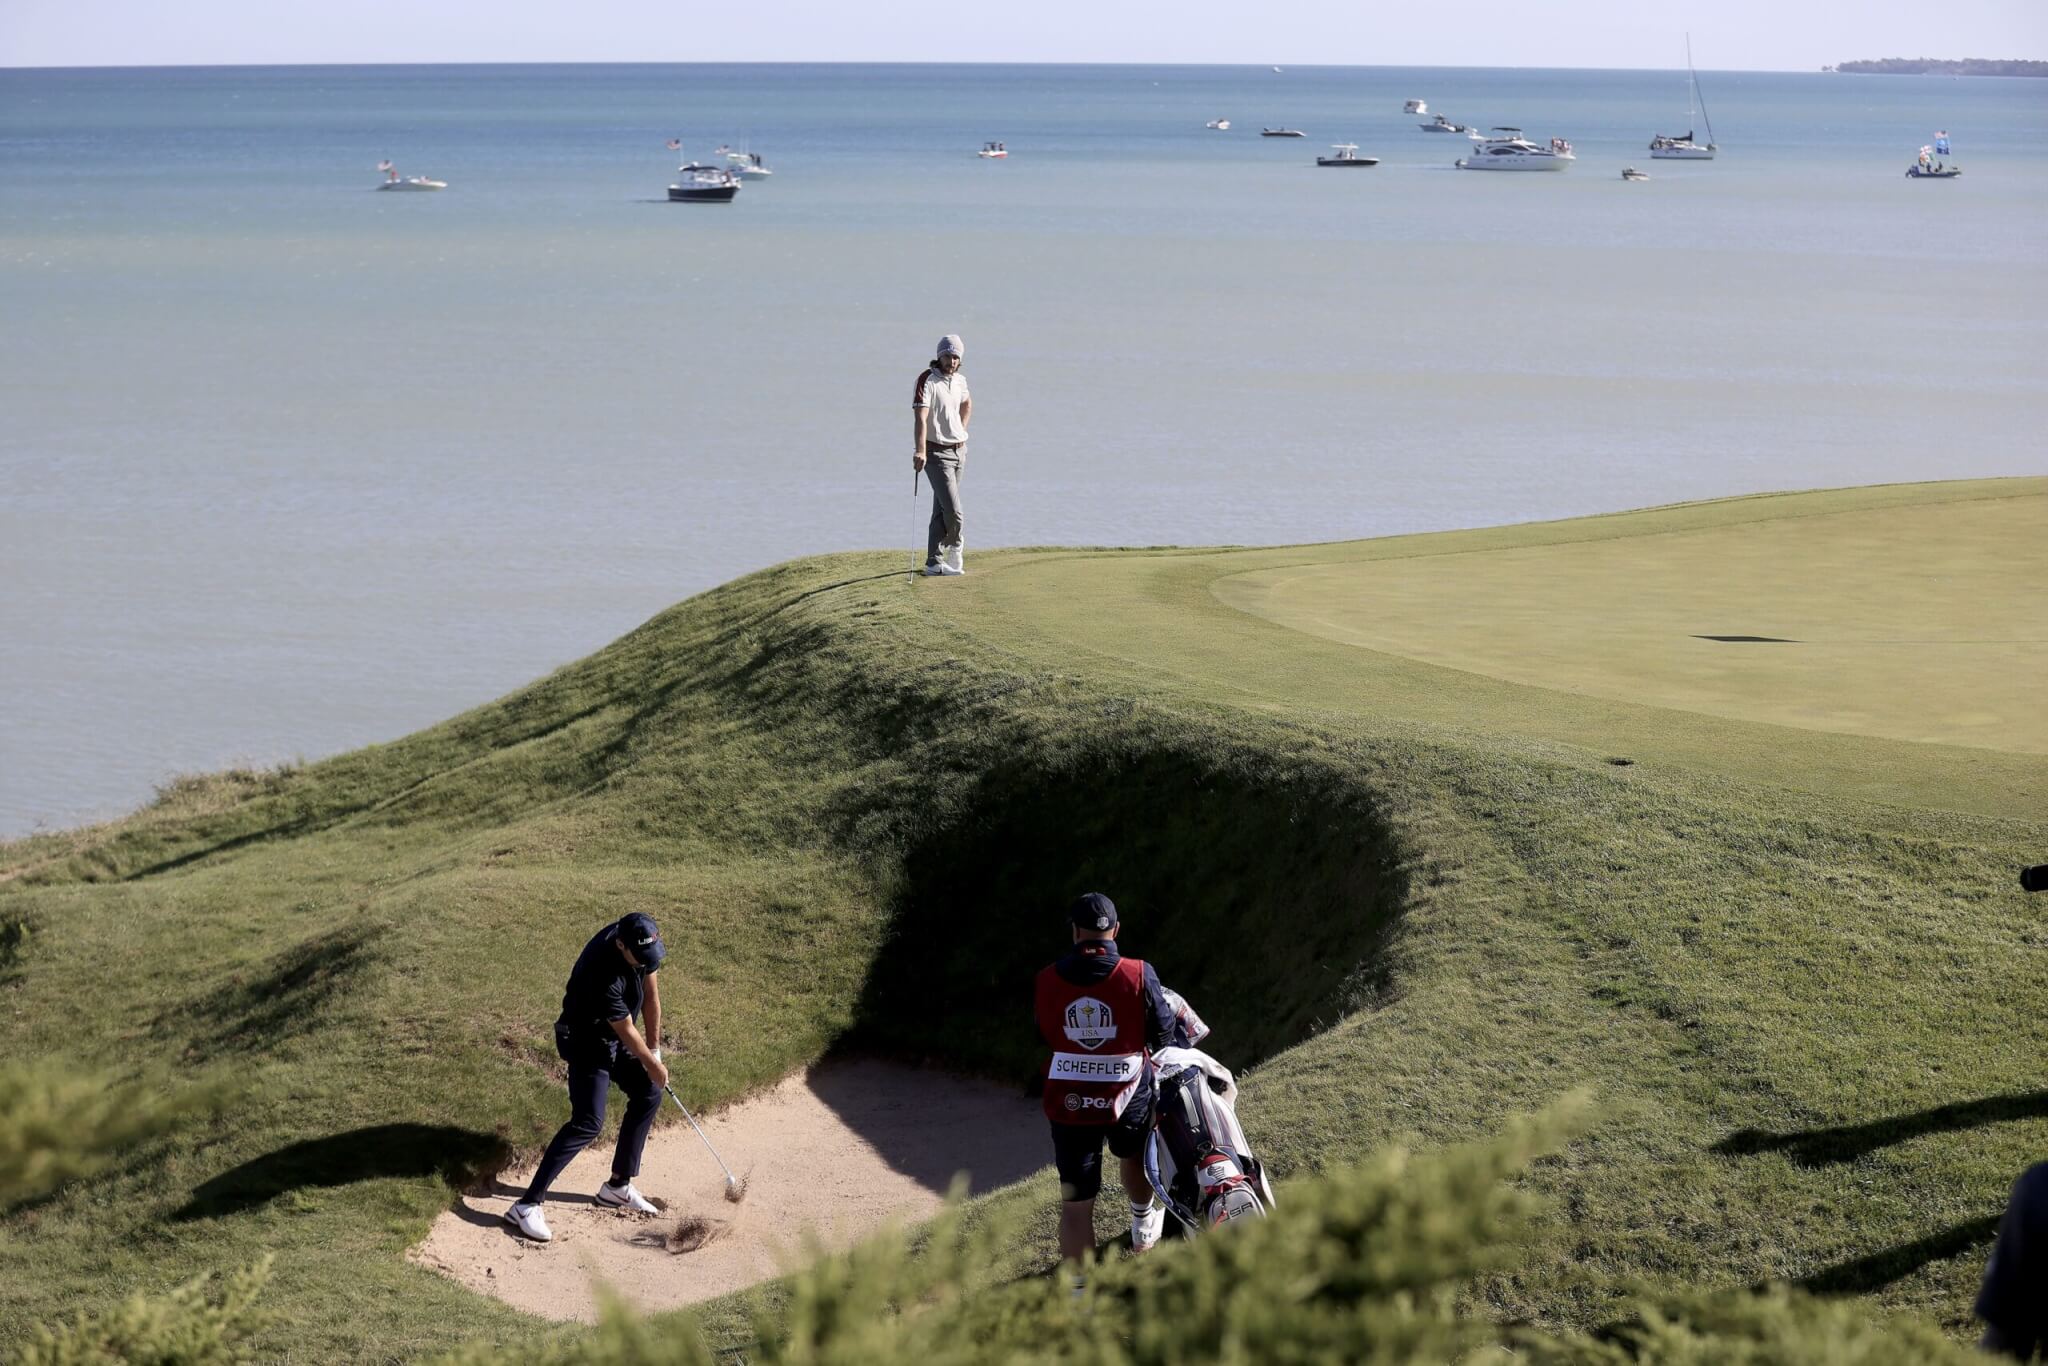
pixel 1762 35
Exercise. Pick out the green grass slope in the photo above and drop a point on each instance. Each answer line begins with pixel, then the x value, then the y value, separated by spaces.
pixel 1791 961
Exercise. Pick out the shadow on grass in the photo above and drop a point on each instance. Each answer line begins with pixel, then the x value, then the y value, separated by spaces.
pixel 283 997
pixel 1847 1142
pixel 1861 1275
pixel 1264 889
pixel 457 1156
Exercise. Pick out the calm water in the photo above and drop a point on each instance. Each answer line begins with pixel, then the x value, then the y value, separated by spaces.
pixel 287 466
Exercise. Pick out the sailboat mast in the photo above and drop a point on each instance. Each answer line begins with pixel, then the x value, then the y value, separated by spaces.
pixel 1697 97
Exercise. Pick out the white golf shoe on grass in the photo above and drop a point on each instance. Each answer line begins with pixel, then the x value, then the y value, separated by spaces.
pixel 1146 1226
pixel 625 1197
pixel 526 1218
pixel 942 570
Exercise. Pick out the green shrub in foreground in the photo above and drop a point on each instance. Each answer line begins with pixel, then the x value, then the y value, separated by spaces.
pixel 57 1124
pixel 194 1325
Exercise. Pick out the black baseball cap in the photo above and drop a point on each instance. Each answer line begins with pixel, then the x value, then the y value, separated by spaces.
pixel 1092 911
pixel 638 932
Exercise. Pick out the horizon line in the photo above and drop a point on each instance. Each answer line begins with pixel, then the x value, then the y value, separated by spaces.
pixel 608 61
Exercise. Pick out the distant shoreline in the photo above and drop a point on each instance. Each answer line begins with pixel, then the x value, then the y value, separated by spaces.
pixel 1936 66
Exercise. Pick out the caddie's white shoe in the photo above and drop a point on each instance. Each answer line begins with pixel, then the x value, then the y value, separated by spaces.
pixel 526 1218
pixel 625 1197
pixel 1147 1225
pixel 951 554
pixel 942 570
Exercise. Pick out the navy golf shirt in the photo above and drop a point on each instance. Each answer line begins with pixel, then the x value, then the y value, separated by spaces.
pixel 603 988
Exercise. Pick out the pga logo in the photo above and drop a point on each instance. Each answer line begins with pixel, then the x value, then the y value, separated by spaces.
pixel 1073 1101
pixel 1079 1102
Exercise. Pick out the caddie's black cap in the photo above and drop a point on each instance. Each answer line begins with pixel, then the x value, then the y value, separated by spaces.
pixel 639 934
pixel 1092 911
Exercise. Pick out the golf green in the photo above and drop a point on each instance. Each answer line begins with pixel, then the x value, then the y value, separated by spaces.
pixel 1926 623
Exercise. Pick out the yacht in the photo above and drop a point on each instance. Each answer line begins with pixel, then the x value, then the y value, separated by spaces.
pixel 748 165
pixel 1347 155
pixel 1281 133
pixel 1513 152
pixel 1220 125
pixel 1415 107
pixel 393 181
pixel 1440 124
pixel 697 184
pixel 993 151
pixel 1686 147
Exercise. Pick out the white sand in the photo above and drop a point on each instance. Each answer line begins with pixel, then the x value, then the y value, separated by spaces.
pixel 839 1149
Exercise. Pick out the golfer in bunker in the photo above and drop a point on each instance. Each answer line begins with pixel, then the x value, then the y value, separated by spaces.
pixel 614 979
pixel 1100 1012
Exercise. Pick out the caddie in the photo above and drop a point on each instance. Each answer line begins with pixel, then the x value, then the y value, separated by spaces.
pixel 1100 1013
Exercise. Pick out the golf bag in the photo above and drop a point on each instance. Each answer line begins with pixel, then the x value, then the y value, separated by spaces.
pixel 1197 1158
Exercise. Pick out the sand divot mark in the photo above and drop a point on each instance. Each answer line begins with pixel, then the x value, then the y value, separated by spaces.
pixel 836 1151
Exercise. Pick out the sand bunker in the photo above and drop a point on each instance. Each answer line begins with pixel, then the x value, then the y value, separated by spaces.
pixel 840 1149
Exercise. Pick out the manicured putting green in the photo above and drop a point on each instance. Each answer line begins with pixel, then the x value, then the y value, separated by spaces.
pixel 1926 623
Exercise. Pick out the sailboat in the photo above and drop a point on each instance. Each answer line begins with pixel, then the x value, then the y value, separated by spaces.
pixel 1664 148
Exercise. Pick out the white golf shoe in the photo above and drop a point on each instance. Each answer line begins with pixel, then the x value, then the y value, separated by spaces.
pixel 1146 1226
pixel 526 1218
pixel 625 1197
pixel 951 557
pixel 941 570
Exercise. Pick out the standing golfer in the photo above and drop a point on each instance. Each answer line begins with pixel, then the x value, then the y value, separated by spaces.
pixel 939 410
pixel 1100 1013
pixel 613 980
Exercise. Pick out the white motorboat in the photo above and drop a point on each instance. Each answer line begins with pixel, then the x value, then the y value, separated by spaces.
pixel 1513 152
pixel 748 165
pixel 1347 155
pixel 1415 107
pixel 1631 173
pixel 1282 133
pixel 1440 124
pixel 393 181
pixel 1686 148
pixel 993 151
pixel 1220 125
pixel 697 184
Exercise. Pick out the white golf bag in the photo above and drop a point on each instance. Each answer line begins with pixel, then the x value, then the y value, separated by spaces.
pixel 1197 1157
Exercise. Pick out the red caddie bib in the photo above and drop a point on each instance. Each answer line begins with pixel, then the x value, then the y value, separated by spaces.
pixel 1097 1034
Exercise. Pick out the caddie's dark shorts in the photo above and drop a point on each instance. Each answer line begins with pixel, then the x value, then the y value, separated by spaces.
pixel 1077 1148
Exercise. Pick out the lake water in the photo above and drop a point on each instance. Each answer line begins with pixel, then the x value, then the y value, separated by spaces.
pixel 287 466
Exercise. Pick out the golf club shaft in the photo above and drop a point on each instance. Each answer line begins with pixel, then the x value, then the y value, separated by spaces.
pixel 913 514
pixel 730 1179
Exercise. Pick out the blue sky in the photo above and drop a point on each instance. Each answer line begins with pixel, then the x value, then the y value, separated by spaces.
pixel 1727 34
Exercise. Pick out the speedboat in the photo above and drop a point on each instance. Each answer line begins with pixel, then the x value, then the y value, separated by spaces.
pixel 1440 124
pixel 1347 155
pixel 1281 132
pixel 748 165
pixel 697 184
pixel 993 151
pixel 1631 173
pixel 1415 107
pixel 392 180
pixel 1921 170
pixel 1220 125
pixel 1513 152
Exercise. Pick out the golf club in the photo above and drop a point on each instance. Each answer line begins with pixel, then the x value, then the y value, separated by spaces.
pixel 920 524
pixel 735 1189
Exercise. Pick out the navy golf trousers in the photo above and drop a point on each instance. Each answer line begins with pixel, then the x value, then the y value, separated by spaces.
pixel 594 1064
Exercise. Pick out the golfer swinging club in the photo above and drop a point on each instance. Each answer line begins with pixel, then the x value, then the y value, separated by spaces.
pixel 939 410
pixel 613 980
pixel 1100 1013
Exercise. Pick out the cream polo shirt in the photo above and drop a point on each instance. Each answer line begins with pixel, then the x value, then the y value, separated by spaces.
pixel 941 396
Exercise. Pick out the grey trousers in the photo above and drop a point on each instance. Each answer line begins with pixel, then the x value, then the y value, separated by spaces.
pixel 942 468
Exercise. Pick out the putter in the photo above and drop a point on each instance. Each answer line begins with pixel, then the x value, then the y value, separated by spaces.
pixel 735 1189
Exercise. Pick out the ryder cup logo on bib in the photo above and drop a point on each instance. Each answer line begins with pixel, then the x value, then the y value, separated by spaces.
pixel 1089 1023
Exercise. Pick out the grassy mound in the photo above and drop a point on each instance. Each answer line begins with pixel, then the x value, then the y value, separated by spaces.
pixel 1790 961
